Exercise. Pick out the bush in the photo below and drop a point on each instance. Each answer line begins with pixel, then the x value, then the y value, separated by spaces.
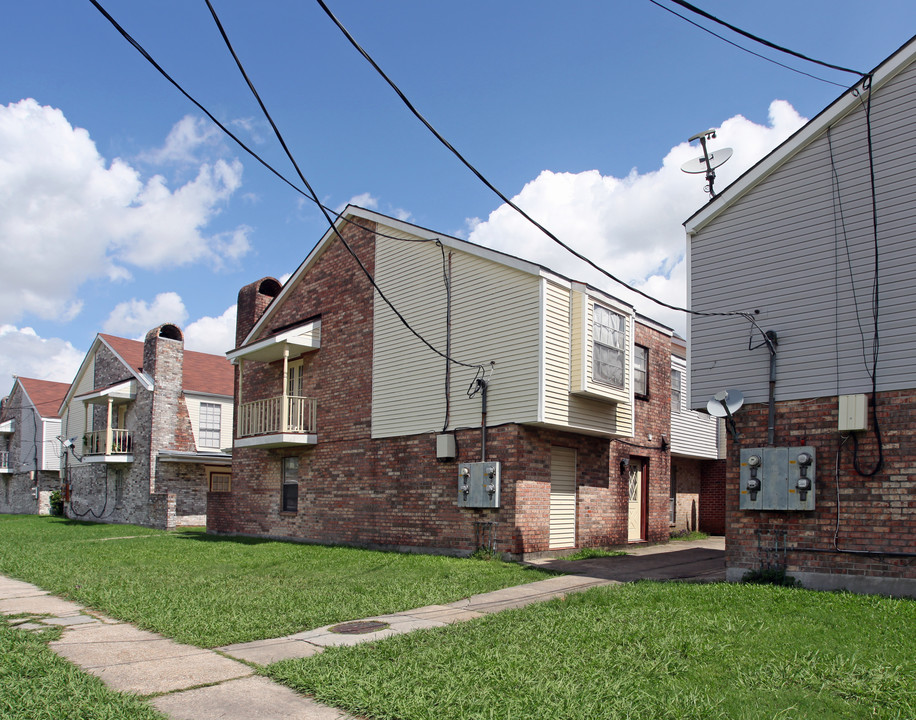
pixel 57 503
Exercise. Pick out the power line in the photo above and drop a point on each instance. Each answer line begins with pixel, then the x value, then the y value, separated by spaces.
pixel 310 195
pixel 494 189
pixel 702 13
pixel 747 50
pixel 308 186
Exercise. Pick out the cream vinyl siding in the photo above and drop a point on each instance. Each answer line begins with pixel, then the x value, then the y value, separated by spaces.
pixel 693 434
pixel 50 447
pixel 562 498
pixel 563 347
pixel 74 420
pixel 225 421
pixel 782 248
pixel 495 316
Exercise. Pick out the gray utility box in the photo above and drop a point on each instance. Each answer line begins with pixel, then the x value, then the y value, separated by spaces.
pixel 478 485
pixel 777 478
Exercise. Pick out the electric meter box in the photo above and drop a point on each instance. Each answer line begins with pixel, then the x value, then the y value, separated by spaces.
pixel 478 485
pixel 777 478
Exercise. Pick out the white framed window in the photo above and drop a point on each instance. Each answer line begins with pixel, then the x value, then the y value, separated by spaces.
pixel 641 370
pixel 210 417
pixel 289 500
pixel 609 343
pixel 676 395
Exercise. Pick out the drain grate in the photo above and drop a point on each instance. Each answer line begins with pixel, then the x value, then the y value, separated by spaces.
pixel 359 627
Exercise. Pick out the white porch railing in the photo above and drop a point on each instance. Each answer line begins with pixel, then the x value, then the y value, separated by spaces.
pixel 4 460
pixel 96 443
pixel 264 417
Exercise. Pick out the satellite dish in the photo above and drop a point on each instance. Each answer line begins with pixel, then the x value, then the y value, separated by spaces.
pixel 725 403
pixel 699 165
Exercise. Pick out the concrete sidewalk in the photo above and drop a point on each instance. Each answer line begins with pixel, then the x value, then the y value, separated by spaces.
pixel 190 683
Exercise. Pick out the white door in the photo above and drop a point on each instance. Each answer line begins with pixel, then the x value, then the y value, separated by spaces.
pixel 562 498
pixel 635 509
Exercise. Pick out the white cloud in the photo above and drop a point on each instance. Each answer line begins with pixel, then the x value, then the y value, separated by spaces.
pixel 25 354
pixel 184 139
pixel 135 318
pixel 630 226
pixel 68 216
pixel 363 200
pixel 212 334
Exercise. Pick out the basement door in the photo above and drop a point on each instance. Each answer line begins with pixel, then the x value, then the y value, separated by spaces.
pixel 562 498
pixel 637 501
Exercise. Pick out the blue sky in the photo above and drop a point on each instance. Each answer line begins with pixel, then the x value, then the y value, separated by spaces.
pixel 121 207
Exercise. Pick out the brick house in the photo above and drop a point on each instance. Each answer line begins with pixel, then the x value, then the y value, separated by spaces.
pixel 29 446
pixel 350 430
pixel 815 244
pixel 148 425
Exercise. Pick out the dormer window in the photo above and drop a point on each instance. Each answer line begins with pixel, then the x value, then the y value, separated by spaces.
pixel 609 335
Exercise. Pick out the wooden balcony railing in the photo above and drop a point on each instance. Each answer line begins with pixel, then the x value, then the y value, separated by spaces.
pixel 265 417
pixel 97 443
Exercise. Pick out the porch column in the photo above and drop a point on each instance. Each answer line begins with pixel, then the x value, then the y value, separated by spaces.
pixel 108 427
pixel 284 408
pixel 238 411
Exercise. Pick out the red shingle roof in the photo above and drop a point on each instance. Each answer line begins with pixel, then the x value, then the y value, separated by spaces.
pixel 203 372
pixel 46 395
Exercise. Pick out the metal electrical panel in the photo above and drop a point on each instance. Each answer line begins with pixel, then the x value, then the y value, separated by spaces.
pixel 478 485
pixel 777 478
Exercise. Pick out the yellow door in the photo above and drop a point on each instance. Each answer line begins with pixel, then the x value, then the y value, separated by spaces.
pixel 562 498
pixel 635 510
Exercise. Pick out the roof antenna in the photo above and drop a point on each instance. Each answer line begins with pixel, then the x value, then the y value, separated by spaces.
pixel 709 162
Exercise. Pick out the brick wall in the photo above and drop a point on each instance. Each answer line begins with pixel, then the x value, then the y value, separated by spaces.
pixel 875 513
pixel 712 497
pixel 392 492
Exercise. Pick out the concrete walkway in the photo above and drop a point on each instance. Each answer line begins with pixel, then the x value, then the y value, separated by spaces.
pixel 190 683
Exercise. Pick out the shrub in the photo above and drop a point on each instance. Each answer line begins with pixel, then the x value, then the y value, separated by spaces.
pixel 57 503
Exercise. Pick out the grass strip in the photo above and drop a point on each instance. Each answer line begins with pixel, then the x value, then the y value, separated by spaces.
pixel 37 684
pixel 654 650
pixel 210 591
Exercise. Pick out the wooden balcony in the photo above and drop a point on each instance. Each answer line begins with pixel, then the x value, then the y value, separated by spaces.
pixel 281 421
pixel 112 445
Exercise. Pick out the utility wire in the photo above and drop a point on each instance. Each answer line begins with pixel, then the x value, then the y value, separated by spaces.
pixel 747 50
pixel 314 196
pixel 496 190
pixel 226 130
pixel 762 41
pixel 310 195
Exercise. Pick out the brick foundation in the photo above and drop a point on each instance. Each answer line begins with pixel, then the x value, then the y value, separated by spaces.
pixel 875 513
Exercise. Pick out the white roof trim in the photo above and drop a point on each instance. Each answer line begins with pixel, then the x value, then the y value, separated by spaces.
pixel 306 337
pixel 126 390
pixel 7 427
pixel 401 226
pixel 845 104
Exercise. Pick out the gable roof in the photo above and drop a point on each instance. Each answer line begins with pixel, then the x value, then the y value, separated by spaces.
pixel 45 395
pixel 417 232
pixel 848 102
pixel 202 372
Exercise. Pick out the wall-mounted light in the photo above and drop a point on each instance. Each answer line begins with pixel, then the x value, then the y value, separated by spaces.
pixel 624 465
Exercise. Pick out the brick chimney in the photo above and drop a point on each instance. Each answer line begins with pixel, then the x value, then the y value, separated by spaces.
pixel 253 301
pixel 163 361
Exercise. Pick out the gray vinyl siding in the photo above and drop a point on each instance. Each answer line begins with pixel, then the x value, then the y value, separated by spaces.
pixel 693 434
pixel 496 315
pixel 51 448
pixel 782 249
pixel 74 418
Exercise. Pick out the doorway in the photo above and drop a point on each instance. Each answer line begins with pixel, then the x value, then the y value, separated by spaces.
pixel 636 506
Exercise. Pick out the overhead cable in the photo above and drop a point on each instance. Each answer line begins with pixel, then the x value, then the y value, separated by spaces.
pixel 502 196
pixel 310 195
pixel 314 196
pixel 744 49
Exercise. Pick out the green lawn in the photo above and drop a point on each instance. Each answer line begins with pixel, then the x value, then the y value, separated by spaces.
pixel 210 591
pixel 673 651
pixel 38 685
